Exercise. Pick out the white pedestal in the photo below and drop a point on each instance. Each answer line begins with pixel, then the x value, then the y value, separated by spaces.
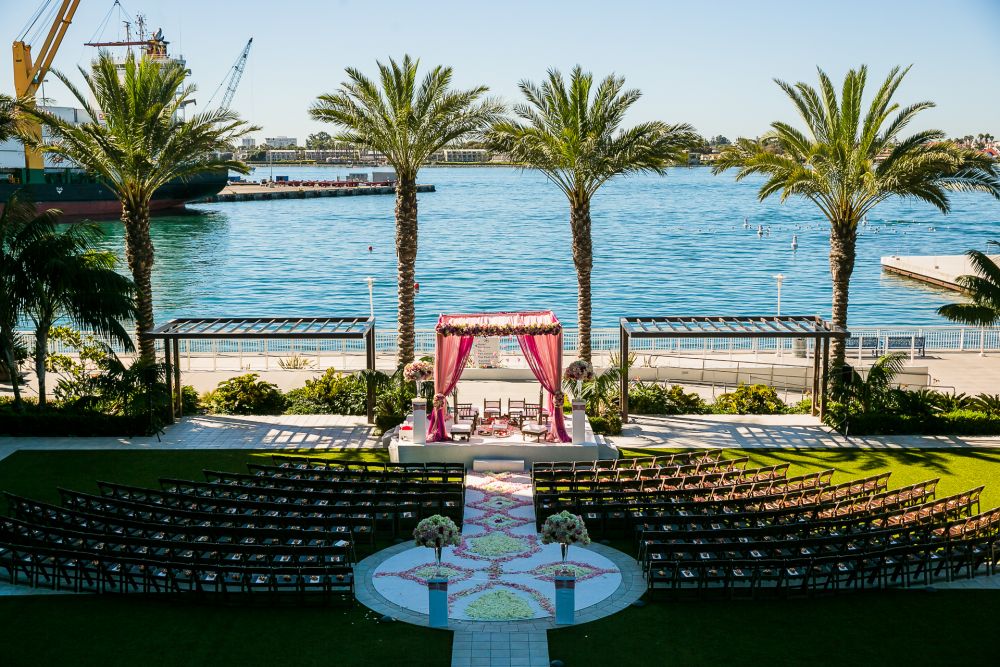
pixel 419 421
pixel 579 423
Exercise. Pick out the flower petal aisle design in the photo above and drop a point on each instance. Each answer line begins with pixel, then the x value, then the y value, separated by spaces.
pixel 501 571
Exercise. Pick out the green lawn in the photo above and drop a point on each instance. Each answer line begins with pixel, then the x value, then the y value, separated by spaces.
pixel 895 628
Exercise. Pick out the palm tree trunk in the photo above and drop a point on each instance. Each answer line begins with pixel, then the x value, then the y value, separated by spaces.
pixel 41 352
pixel 8 354
pixel 583 259
pixel 843 242
pixel 406 263
pixel 139 253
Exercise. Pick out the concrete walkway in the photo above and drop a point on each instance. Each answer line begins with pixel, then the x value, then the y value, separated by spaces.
pixel 770 432
pixel 319 432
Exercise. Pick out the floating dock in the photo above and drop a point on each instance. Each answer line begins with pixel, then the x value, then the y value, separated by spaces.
pixel 302 190
pixel 940 270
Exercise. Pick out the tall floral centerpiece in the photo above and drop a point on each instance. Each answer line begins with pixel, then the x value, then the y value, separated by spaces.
pixel 579 371
pixel 437 532
pixel 418 372
pixel 565 529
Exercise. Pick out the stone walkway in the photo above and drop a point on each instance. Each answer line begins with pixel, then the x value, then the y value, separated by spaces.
pixel 226 432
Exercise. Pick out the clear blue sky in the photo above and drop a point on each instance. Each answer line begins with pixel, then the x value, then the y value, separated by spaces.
pixel 706 63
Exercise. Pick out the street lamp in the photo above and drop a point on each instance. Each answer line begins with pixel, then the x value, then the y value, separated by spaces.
pixel 371 295
pixel 779 278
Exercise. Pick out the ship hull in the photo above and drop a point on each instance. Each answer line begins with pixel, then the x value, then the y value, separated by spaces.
pixel 94 200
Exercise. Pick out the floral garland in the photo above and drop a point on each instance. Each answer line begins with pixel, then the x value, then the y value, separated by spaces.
pixel 439 401
pixel 580 370
pixel 418 371
pixel 437 531
pixel 564 528
pixel 419 574
pixel 550 329
pixel 537 596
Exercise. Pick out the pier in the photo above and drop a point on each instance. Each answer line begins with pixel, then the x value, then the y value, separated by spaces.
pixel 303 190
pixel 939 270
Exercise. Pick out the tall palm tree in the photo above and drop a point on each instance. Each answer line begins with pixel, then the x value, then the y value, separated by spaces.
pixel 140 143
pixel 572 133
pixel 8 117
pixel 847 164
pixel 79 284
pixel 406 122
pixel 983 289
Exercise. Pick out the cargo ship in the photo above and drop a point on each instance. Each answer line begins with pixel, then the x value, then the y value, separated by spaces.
pixel 67 187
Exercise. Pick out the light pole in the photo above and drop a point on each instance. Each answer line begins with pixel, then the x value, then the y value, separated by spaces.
pixel 371 295
pixel 779 278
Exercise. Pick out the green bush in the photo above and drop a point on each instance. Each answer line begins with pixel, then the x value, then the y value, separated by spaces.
pixel 332 393
pixel 955 422
pixel 385 423
pixel 246 395
pixel 657 399
pixel 753 399
pixel 189 400
pixel 61 421
pixel 608 424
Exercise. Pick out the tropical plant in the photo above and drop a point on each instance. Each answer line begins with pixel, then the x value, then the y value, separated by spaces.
pixel 8 118
pixel 137 141
pixel 983 289
pixel 331 393
pixel 406 122
pixel 572 133
pixel 23 249
pixel 847 164
pixel 750 399
pixel 872 393
pixel 246 395
pixel 78 284
pixel 987 403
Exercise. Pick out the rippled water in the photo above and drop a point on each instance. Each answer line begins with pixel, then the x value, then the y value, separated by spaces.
pixel 498 238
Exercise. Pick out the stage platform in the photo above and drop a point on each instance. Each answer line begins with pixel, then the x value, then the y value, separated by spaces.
pixel 512 448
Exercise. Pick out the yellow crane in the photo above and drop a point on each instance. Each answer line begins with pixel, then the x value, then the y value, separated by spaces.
pixel 30 72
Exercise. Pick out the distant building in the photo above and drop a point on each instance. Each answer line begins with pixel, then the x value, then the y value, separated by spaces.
pixel 459 155
pixel 248 142
pixel 281 142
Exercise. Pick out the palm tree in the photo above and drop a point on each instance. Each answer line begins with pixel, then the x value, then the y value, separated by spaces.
pixel 847 164
pixel 573 135
pixel 983 289
pixel 8 117
pixel 79 284
pixel 140 144
pixel 406 122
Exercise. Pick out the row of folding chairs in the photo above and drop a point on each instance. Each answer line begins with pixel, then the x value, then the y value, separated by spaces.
pixel 323 478
pixel 553 469
pixel 441 472
pixel 586 480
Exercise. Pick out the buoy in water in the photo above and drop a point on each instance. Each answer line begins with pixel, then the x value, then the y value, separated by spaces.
pixel 416 287
pixel 795 242
pixel 371 248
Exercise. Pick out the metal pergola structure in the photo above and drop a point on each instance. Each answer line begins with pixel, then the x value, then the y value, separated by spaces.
pixel 312 328
pixel 765 326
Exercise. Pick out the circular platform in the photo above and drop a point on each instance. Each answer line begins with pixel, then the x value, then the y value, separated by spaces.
pixel 501 571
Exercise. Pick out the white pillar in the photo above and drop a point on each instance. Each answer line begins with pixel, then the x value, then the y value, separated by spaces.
pixel 419 421
pixel 579 422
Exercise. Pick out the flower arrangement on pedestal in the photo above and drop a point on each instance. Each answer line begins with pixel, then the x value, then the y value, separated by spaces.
pixel 579 371
pixel 437 532
pixel 418 372
pixel 565 529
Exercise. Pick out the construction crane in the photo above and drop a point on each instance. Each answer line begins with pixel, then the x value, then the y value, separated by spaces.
pixel 234 76
pixel 30 70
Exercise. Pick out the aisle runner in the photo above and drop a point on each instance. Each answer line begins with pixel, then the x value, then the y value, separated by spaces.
pixel 501 571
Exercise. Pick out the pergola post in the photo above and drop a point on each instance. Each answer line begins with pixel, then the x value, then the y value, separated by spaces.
pixel 826 378
pixel 370 365
pixel 623 362
pixel 177 378
pixel 170 385
pixel 814 404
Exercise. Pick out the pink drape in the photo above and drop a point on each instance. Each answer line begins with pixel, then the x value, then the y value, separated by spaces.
pixel 452 353
pixel 544 355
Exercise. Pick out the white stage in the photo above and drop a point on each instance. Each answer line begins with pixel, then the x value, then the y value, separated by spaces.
pixel 515 447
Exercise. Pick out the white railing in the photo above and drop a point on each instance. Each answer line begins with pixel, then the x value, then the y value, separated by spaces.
pixel 603 340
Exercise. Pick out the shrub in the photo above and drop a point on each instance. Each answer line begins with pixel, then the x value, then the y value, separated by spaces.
pixel 189 400
pixel 385 423
pixel 657 399
pixel 753 399
pixel 300 402
pixel 803 407
pixel 246 395
pixel 608 424
pixel 987 403
pixel 334 393
pixel 61 421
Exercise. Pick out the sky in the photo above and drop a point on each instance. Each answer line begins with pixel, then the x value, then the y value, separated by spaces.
pixel 708 63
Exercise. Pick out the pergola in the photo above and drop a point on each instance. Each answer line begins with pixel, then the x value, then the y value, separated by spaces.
pixel 768 326
pixel 215 328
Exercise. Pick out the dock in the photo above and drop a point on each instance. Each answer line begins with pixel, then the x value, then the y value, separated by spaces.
pixel 939 270
pixel 303 190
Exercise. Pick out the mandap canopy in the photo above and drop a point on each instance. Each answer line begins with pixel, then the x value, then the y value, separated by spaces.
pixel 538 332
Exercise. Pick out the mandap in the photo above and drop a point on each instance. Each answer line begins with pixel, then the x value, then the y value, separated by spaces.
pixel 540 336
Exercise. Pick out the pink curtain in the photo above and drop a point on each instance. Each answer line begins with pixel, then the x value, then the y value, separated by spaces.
pixel 544 355
pixel 452 353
